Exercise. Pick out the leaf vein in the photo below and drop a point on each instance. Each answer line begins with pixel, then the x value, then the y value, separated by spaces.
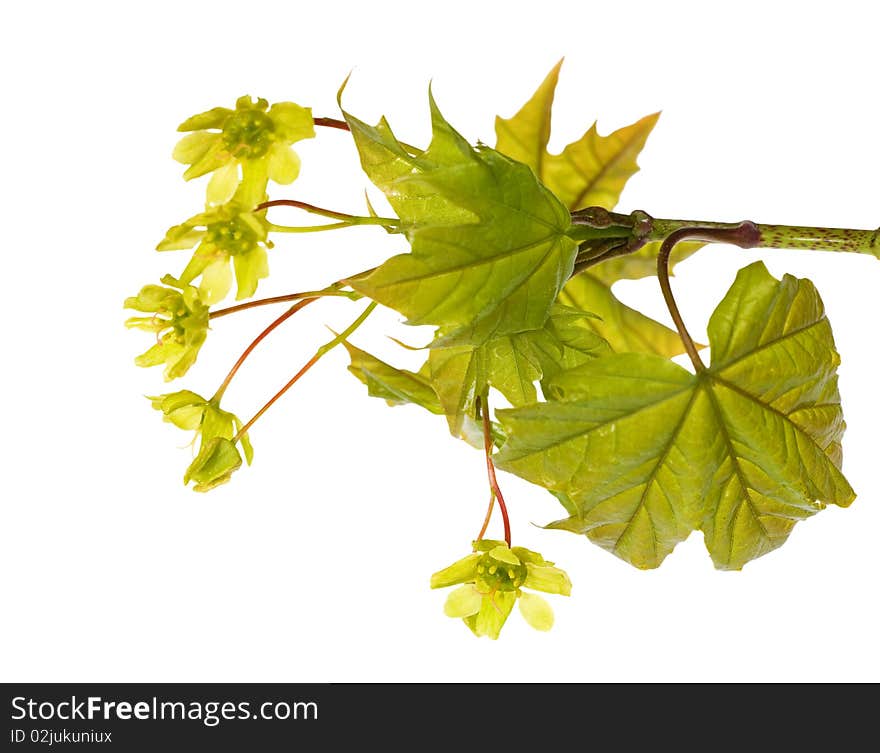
pixel 717 368
pixel 655 470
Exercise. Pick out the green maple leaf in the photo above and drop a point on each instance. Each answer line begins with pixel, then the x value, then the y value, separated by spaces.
pixel 395 386
pixel 625 329
pixel 489 246
pixel 592 171
pixel 512 364
pixel 642 451
pixel 453 378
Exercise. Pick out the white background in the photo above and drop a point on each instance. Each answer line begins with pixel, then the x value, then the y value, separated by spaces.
pixel 314 563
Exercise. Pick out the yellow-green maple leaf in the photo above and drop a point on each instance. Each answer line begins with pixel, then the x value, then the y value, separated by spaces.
pixel 592 171
pixel 641 452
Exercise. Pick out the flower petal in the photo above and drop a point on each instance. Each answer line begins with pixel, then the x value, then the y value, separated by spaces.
pixel 247 447
pixel 184 409
pixel 487 545
pixel 214 464
pixel 463 602
pixel 550 580
pixel 153 299
pixel 283 164
pixel 214 118
pixel 192 147
pixel 180 237
pixel 527 555
pixel 204 255
pixel 292 122
pixel 254 177
pixel 178 366
pixel 458 572
pixel 503 554
pixel 536 611
pixel 494 611
pixel 246 102
pixel 223 183
pixel 250 268
pixel 217 423
pixel 216 281
pixel 216 156
pixel 158 354
pixel 146 323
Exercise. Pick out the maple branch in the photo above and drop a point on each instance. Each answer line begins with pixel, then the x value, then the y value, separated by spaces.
pixel 603 235
pixel 749 234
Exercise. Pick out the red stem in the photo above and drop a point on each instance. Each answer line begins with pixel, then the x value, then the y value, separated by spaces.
pixel 490 469
pixel 261 302
pixel 744 235
pixel 332 123
pixel 311 362
pixel 343 126
pixel 487 518
pixel 302 205
pixel 247 351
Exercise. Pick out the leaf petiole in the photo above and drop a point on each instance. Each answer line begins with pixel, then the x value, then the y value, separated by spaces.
pixel 743 234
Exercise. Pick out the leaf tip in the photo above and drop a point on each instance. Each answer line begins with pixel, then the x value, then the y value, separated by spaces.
pixel 342 89
pixel 432 102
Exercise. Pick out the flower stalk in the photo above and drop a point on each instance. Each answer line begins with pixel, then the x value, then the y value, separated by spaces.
pixel 320 353
pixel 494 488
pixel 257 340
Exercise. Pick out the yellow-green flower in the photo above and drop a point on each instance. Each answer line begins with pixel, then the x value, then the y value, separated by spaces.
pixel 220 235
pixel 491 581
pixel 179 320
pixel 218 457
pixel 253 137
pixel 214 465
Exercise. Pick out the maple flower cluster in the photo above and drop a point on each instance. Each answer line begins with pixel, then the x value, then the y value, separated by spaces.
pixel 242 149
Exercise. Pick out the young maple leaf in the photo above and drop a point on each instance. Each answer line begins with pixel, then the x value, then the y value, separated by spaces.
pixel 593 171
pixel 642 452
pixel 490 249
